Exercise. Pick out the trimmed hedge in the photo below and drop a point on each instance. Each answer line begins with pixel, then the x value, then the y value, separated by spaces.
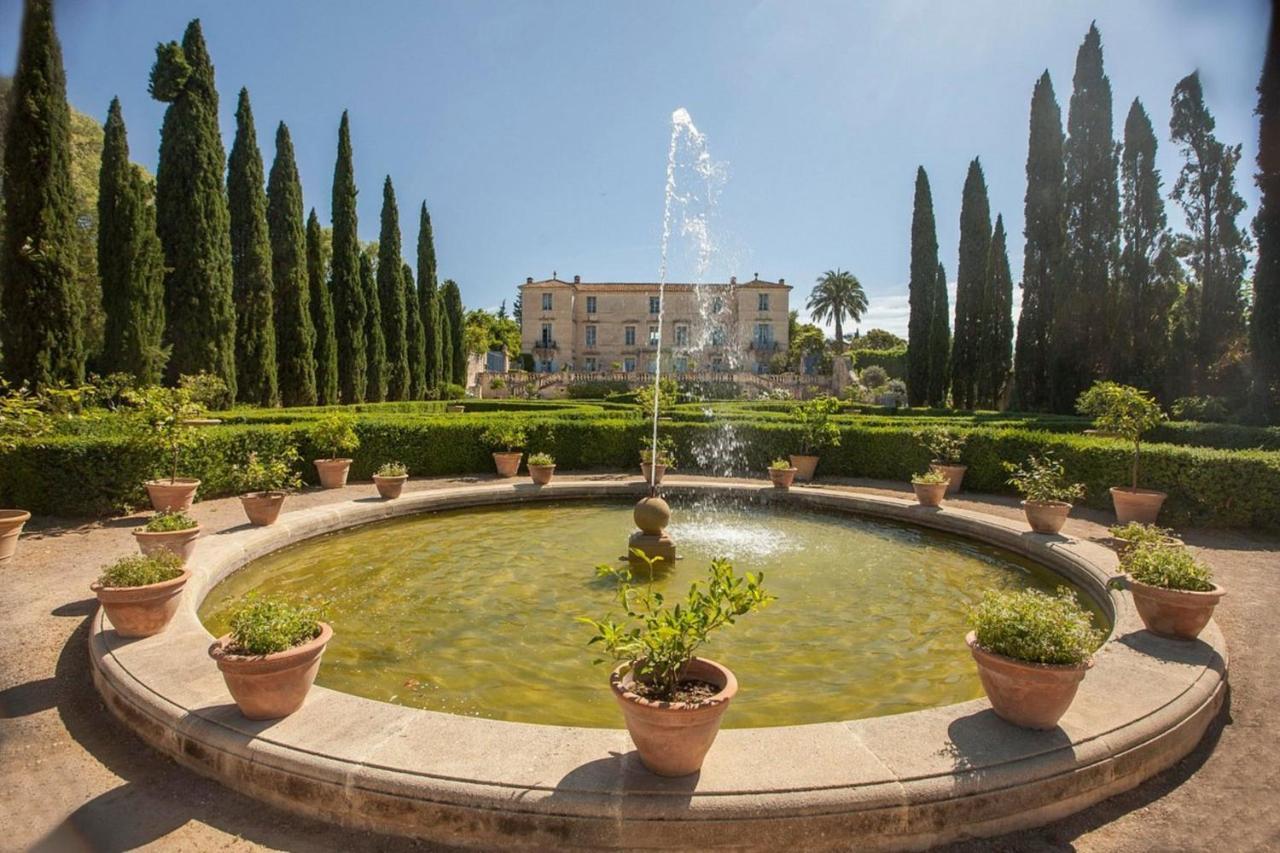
pixel 894 361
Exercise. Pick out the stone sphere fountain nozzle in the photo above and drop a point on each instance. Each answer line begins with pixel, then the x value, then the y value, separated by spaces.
pixel 652 515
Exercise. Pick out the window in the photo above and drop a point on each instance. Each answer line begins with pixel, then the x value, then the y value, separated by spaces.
pixel 653 336
pixel 762 302
pixel 718 336
pixel 546 333
pixel 717 363
pixel 764 335
pixel 629 365
pixel 682 364
pixel 629 336
pixel 591 305
pixel 591 336
pixel 655 304
pixel 652 365
pixel 546 302
pixel 545 367
pixel 682 335
pixel 717 305
pixel 591 364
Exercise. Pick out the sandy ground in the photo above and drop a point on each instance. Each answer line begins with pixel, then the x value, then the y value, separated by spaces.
pixel 71 778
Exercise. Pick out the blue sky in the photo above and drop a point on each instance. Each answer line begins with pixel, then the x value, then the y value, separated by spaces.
pixel 537 131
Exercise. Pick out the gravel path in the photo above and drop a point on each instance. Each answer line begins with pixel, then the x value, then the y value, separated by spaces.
pixel 72 779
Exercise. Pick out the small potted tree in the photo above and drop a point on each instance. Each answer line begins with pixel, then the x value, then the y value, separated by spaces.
pixel 1173 591
pixel 1032 650
pixel 336 433
pixel 168 420
pixel 1046 491
pixel 264 480
pixel 930 487
pixel 672 700
pixel 782 473
pixel 944 448
pixel 172 531
pixel 1127 413
pixel 270 657
pixel 507 438
pixel 652 466
pixel 817 431
pixel 390 479
pixel 141 593
pixel 541 468
pixel 1126 537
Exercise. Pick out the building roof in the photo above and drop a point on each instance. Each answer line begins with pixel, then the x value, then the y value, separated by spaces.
pixel 756 282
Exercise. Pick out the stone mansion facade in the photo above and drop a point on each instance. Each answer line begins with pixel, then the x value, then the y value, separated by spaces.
pixel 613 326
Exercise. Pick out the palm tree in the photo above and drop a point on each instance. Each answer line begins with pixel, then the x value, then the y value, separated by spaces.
pixel 837 295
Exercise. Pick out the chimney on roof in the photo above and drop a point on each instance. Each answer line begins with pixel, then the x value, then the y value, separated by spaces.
pixel 577 279
pixel 782 281
pixel 755 276
pixel 528 279
pixel 733 279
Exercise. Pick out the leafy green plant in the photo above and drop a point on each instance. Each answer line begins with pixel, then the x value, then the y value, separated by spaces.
pixel 170 521
pixel 541 459
pixel 1136 533
pixel 141 570
pixel 268 472
pixel 1124 411
pixel 21 416
pixel 1042 479
pixel 262 626
pixel 666 451
pixel 1210 409
pixel 930 478
pixel 668 393
pixel 1035 627
pixel 780 464
pixel 661 639
pixel 163 421
pixel 335 432
pixel 206 389
pixel 393 469
pixel 507 435
pixel 817 430
pixel 497 383
pixel 1166 565
pixel 944 446
pixel 874 377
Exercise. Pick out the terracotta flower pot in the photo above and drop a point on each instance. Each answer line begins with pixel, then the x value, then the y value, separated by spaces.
pixel 11 521
pixel 180 542
pixel 508 464
pixel 805 466
pixel 646 468
pixel 1177 613
pixel 1137 504
pixel 333 472
pixel 1031 695
pixel 541 474
pixel 140 611
pixel 782 477
pixel 953 473
pixel 172 496
pixel 929 494
pixel 1046 516
pixel 673 737
pixel 267 687
pixel 262 508
pixel 390 487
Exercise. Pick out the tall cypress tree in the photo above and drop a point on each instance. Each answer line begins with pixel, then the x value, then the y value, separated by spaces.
pixel 191 213
pixel 429 304
pixel 1042 252
pixel 326 351
pixel 1264 330
pixel 1083 294
pixel 375 344
pixel 295 332
pixel 939 341
pixel 350 306
pixel 251 265
pixel 391 298
pixel 921 292
pixel 130 261
pixel 995 356
pixel 44 342
pixel 452 298
pixel 414 333
pixel 971 275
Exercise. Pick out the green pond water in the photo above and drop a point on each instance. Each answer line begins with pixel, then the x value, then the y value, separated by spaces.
pixel 473 611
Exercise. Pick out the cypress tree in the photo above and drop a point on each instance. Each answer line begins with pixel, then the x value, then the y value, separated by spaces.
pixel 191 213
pixel 975 247
pixel 130 261
pixel 374 343
pixel 433 331
pixel 413 331
pixel 295 331
pixel 326 351
pixel 1042 252
pixel 350 306
pixel 996 354
pixel 44 342
pixel 921 292
pixel 391 298
pixel 452 299
pixel 251 265
pixel 1264 329
pixel 939 341
pixel 1082 298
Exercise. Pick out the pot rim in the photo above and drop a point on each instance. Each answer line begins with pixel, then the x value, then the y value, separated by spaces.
pixel 803 456
pixel 618 683
pixel 176 482
pixel 508 453
pixel 265 494
pixel 1138 492
pixel 12 515
pixel 160 586
pixel 217 650
pixel 790 470
pixel 971 639
pixel 192 531
pixel 1048 504
pixel 390 478
pixel 1189 594
pixel 332 460
pixel 550 467
pixel 942 464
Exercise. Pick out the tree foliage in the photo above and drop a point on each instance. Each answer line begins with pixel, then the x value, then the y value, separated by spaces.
pixel 430 310
pixel 940 341
pixel 838 294
pixel 971 276
pixel 391 298
pixel 417 352
pixel 294 327
pixel 452 299
pixel 920 292
pixel 996 348
pixel 374 342
pixel 1264 329
pixel 348 292
pixel 322 317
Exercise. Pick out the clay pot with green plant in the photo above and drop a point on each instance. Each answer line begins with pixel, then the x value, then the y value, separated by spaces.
pixel 1173 591
pixel 1032 650
pixel 390 479
pixel 817 432
pixel 1126 537
pixel 1127 413
pixel 1046 491
pixel 652 470
pixel 270 658
pixel 507 439
pixel 930 487
pixel 264 481
pixel 671 699
pixel 782 473
pixel 175 532
pixel 168 421
pixel 141 593
pixel 944 448
pixel 336 433
pixel 542 466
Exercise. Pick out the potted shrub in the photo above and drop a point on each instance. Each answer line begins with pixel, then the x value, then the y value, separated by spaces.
pixel 21 416
pixel 1127 413
pixel 672 700
pixel 172 531
pixel 541 467
pixel 1173 591
pixel 270 657
pixel 1126 537
pixel 666 458
pixel 508 438
pixel 390 479
pixel 336 433
pixel 944 448
pixel 817 431
pixel 930 487
pixel 782 473
pixel 1046 491
pixel 141 593
pixel 168 421
pixel 1032 650
pixel 264 481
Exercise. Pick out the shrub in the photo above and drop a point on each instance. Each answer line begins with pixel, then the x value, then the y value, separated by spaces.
pixel 505 436
pixel 1199 409
pixel 930 478
pixel 163 420
pixel 596 389
pixel 874 377
pixel 666 450
pixel 262 626
pixel 453 391
pixel 1123 411
pixel 1043 478
pixel 1168 566
pixel 267 472
pixel 170 521
pixel 335 432
pixel 816 427
pixel 141 570
pixel 393 469
pixel 942 444
pixel 780 464
pixel 1136 533
pixel 541 459
pixel 892 361
pixel 1035 627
